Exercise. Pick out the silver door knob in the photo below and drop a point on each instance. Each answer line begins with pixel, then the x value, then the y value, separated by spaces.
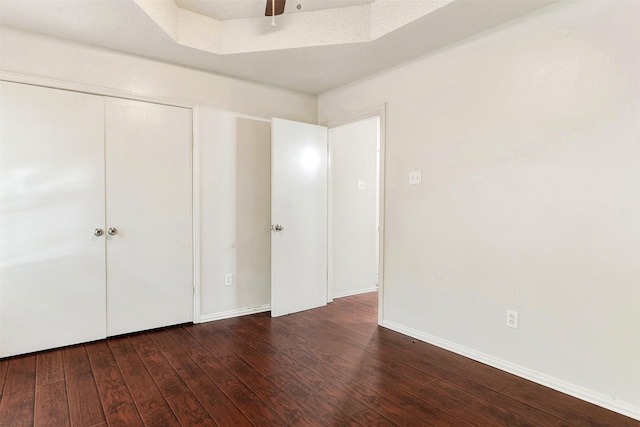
pixel 98 232
pixel 112 231
pixel 278 227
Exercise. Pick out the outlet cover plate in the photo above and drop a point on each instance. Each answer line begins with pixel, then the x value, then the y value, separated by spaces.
pixel 512 319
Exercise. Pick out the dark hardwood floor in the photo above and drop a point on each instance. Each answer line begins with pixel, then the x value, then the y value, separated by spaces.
pixel 325 367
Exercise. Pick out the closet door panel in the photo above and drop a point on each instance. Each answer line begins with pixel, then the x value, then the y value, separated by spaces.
pixel 149 269
pixel 52 271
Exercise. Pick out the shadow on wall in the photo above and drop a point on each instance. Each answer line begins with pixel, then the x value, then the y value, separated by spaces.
pixel 253 213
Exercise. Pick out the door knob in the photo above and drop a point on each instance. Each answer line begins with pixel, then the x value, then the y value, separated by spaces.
pixel 98 232
pixel 278 227
pixel 112 231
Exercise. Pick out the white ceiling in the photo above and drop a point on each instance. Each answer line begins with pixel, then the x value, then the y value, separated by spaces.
pixel 236 9
pixel 123 25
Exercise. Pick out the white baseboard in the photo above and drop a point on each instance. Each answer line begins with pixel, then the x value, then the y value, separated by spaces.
pixel 356 292
pixel 537 377
pixel 234 313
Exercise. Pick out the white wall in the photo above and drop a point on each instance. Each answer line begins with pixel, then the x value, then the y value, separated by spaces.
pixel 353 219
pixel 528 141
pixel 235 208
pixel 226 130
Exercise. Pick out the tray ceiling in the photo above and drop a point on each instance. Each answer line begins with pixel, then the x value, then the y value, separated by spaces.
pixel 238 9
pixel 302 53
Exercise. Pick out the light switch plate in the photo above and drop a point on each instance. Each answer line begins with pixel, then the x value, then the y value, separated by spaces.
pixel 361 185
pixel 415 177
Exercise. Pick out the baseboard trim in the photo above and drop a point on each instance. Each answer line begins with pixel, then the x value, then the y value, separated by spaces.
pixel 357 292
pixel 234 313
pixel 531 375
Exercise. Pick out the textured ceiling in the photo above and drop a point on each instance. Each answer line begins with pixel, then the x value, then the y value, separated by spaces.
pixel 122 25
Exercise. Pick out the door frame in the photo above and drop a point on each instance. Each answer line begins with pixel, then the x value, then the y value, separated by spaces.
pixel 195 154
pixel 378 111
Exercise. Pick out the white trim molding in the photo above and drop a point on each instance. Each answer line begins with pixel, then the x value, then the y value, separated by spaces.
pixel 195 211
pixel 234 313
pixel 93 89
pixel 537 377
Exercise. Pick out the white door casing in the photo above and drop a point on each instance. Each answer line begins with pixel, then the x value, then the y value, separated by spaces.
pixel 299 205
pixel 149 259
pixel 52 270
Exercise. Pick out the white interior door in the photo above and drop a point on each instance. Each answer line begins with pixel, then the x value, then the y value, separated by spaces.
pixel 148 163
pixel 299 207
pixel 52 273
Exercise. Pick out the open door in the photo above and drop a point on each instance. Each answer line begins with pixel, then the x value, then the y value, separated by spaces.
pixel 298 217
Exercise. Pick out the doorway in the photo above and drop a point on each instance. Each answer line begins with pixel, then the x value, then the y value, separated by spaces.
pixel 349 215
pixel 354 151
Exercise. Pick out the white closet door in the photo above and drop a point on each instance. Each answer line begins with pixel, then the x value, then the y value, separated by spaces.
pixel 148 158
pixel 52 273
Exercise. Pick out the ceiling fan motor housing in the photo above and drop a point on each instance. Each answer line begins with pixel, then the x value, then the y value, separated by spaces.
pixel 275 7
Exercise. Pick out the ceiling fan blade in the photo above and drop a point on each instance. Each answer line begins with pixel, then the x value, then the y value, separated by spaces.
pixel 279 7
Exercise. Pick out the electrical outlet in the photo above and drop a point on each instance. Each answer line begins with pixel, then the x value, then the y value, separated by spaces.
pixel 228 279
pixel 512 319
pixel 361 185
pixel 415 177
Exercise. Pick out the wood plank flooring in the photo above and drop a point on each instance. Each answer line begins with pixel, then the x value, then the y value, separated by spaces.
pixel 332 366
